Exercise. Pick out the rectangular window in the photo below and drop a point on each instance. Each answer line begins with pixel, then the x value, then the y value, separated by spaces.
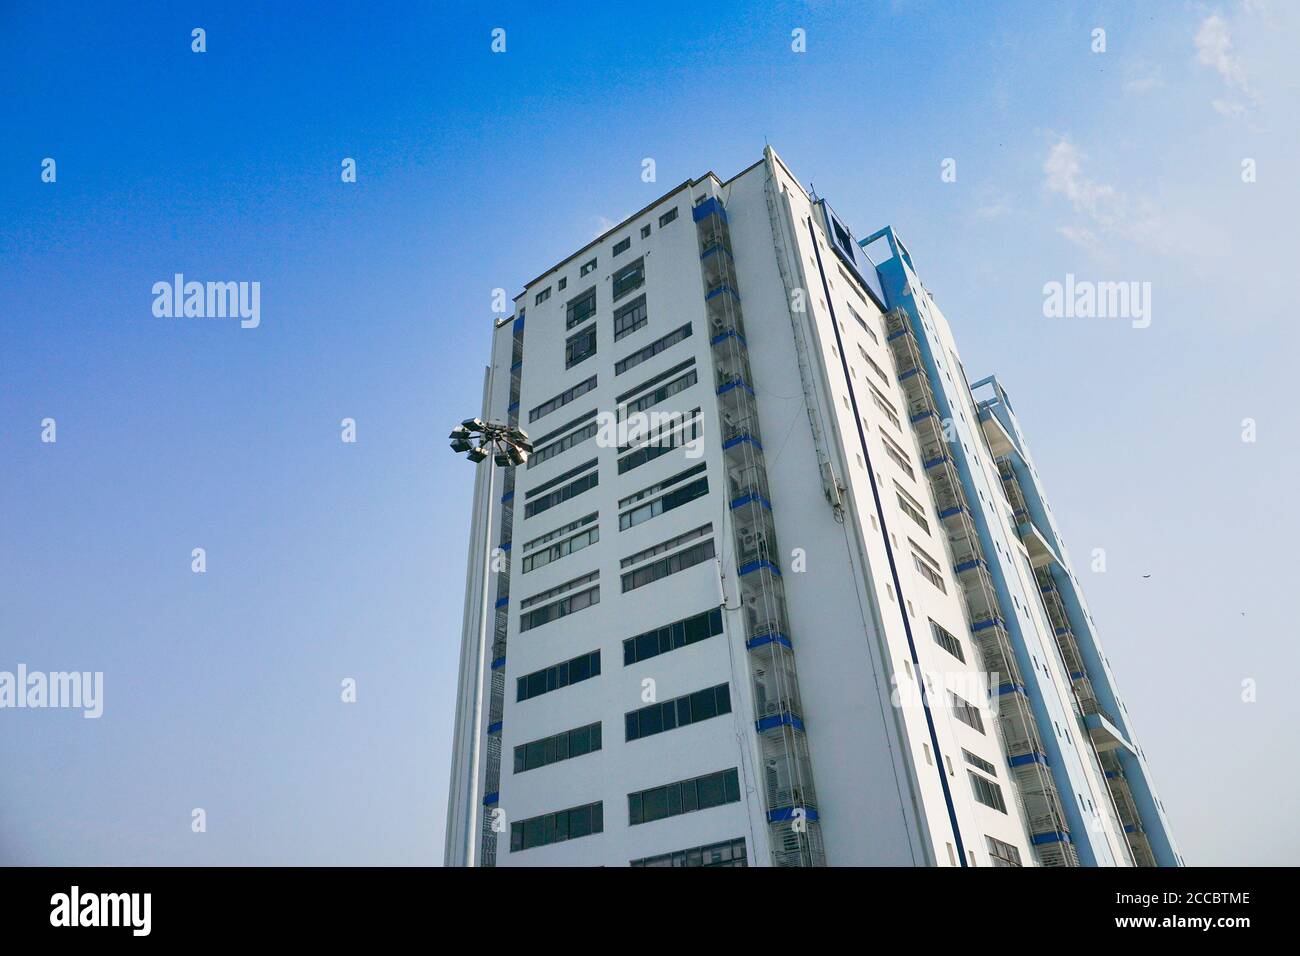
pixel 728 853
pixel 589 535
pixel 559 401
pixel 660 441
pixel 886 406
pixel 668 217
pixel 562 746
pixel 580 346
pixel 562 284
pixel 631 276
pixel 897 454
pixel 660 394
pixel 542 296
pixel 928 567
pixel 572 439
pixel 665 546
pixel 684 796
pixel 678 712
pixel 875 366
pixel 863 322
pixel 977 761
pixel 628 318
pixel 1003 854
pixel 587 267
pixel 667 502
pixel 583 667
pixel 561 492
pixel 645 231
pixel 622 246
pixel 911 507
pixel 664 567
pixel 669 637
pixel 987 792
pixel 966 712
pixel 557 827
pixel 947 641
pixel 580 309
pixel 571 604
pixel 653 349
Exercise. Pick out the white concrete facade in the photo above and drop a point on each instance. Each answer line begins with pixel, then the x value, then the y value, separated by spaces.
pixel 896 782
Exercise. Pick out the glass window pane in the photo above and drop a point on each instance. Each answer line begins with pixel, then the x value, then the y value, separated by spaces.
pixel 710 791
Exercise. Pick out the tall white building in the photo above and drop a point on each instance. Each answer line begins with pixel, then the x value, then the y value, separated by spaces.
pixel 777 585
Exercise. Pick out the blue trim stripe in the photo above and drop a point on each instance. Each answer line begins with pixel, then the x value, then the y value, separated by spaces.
pixel 730 333
pixel 499 663
pixel 762 639
pixel 491 798
pixel 502 602
pixel 1056 836
pixel 1025 759
pixel 494 728
pixel 746 499
pixel 758 565
pixel 708 208
pixel 778 720
pixel 787 813
pixel 736 383
pixel 731 443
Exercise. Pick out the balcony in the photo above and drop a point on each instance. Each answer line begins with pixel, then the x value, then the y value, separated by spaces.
pixel 1000 441
pixel 1105 736
pixel 1041 552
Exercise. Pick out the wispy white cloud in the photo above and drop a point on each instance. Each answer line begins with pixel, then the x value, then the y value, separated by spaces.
pixel 1214 50
pixel 1102 212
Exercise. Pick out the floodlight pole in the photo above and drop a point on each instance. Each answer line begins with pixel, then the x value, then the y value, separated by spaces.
pixel 494 437
pixel 475 804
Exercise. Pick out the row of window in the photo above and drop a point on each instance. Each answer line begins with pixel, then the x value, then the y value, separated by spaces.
pixel 561 608
pixel 559 532
pixel 679 712
pixel 670 637
pixel 557 827
pixel 559 401
pixel 664 567
pixel 683 796
pixel 563 548
pixel 728 853
pixel 577 486
pixel 580 668
pixel 662 393
pixel 653 349
pixel 562 746
pixel 664 441
pixel 686 796
pixel 547 452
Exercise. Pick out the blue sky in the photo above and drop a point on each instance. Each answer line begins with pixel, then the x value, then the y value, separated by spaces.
pixel 476 171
